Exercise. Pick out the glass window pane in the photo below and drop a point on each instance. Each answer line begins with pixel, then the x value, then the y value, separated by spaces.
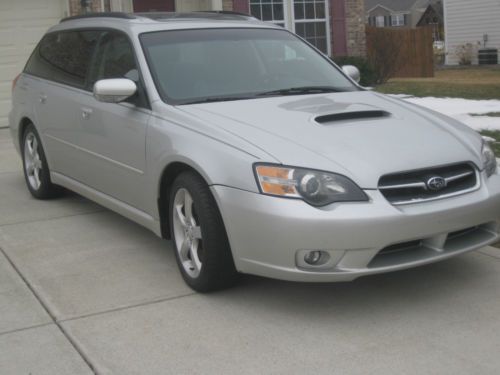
pixel 309 10
pixel 321 44
pixel 310 29
pixel 255 11
pixel 299 11
pixel 321 29
pixel 300 29
pixel 278 12
pixel 320 10
pixel 267 12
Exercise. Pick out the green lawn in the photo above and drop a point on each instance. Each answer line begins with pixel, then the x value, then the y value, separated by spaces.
pixel 468 83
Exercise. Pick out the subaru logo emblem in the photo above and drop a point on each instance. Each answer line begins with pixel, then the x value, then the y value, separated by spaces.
pixel 436 183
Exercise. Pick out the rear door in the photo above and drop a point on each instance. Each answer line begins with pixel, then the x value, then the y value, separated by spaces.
pixel 56 81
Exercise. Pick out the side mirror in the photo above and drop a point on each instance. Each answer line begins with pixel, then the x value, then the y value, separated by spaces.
pixel 114 90
pixel 352 72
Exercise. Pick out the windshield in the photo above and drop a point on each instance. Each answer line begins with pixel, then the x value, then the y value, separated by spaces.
pixel 203 65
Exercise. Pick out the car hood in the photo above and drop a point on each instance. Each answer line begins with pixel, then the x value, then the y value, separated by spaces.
pixel 352 139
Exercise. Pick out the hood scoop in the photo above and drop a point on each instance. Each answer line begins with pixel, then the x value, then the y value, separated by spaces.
pixel 353 115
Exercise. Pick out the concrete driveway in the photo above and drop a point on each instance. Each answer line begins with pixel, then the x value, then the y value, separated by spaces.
pixel 84 290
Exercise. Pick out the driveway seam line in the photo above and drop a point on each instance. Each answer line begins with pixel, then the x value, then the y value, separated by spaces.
pixel 26 328
pixel 52 218
pixel 142 304
pixel 49 312
pixel 489 255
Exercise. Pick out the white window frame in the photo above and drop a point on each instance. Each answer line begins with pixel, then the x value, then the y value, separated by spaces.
pixel 307 20
pixel 289 20
pixel 398 19
pixel 285 20
pixel 379 21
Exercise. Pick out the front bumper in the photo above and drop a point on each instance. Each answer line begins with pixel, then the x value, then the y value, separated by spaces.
pixel 267 234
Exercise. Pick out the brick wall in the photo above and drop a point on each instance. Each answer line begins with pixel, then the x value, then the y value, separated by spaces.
pixel 355 27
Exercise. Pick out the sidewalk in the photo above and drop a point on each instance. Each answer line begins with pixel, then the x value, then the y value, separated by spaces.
pixel 83 290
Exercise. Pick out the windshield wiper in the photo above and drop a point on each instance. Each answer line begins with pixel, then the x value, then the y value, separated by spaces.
pixel 300 90
pixel 219 99
pixel 290 91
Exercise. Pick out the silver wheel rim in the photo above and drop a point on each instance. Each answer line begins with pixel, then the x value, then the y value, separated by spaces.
pixel 187 233
pixel 32 161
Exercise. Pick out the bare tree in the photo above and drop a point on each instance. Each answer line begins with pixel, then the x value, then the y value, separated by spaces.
pixel 384 51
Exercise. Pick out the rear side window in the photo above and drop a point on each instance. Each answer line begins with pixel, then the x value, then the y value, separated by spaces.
pixel 64 57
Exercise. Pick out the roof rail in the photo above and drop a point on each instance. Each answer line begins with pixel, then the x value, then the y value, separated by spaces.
pixel 209 14
pixel 229 12
pixel 120 15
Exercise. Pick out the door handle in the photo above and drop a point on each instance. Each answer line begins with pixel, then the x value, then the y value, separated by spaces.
pixel 43 98
pixel 86 112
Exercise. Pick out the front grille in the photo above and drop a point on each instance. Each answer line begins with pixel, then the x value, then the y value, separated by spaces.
pixel 417 186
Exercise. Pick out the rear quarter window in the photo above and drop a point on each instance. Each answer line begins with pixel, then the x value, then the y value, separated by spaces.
pixel 64 57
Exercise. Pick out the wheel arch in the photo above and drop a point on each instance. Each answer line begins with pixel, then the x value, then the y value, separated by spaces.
pixel 23 124
pixel 167 177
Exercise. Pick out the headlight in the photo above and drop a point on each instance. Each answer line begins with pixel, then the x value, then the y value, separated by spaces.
pixel 489 160
pixel 315 187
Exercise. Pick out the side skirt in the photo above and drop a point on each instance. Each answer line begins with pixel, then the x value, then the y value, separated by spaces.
pixel 132 213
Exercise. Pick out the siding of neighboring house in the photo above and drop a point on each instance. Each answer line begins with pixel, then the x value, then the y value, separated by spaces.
pixel 412 11
pixel 387 15
pixel 467 21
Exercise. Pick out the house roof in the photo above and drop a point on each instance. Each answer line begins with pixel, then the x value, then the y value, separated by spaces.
pixel 434 8
pixel 395 5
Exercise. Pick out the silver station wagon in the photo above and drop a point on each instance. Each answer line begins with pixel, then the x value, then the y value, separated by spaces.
pixel 248 148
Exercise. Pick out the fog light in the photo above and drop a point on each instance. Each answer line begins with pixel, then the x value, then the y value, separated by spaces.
pixel 313 257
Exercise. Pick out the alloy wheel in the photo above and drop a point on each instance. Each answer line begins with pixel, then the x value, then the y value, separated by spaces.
pixel 187 233
pixel 32 161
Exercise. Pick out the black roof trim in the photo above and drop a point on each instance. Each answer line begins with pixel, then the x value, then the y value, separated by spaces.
pixel 120 15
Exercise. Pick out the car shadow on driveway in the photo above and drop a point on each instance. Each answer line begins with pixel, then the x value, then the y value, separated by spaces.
pixel 448 287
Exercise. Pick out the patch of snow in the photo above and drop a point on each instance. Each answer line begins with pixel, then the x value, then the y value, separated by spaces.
pixel 461 110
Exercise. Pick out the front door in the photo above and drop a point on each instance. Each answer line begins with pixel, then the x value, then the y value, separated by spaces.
pixel 113 135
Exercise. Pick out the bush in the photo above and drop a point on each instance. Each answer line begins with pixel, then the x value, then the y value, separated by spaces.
pixel 465 53
pixel 369 75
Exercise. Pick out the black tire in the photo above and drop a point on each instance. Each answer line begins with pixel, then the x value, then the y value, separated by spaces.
pixel 46 189
pixel 217 266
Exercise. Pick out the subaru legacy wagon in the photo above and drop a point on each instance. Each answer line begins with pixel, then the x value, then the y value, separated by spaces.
pixel 249 149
